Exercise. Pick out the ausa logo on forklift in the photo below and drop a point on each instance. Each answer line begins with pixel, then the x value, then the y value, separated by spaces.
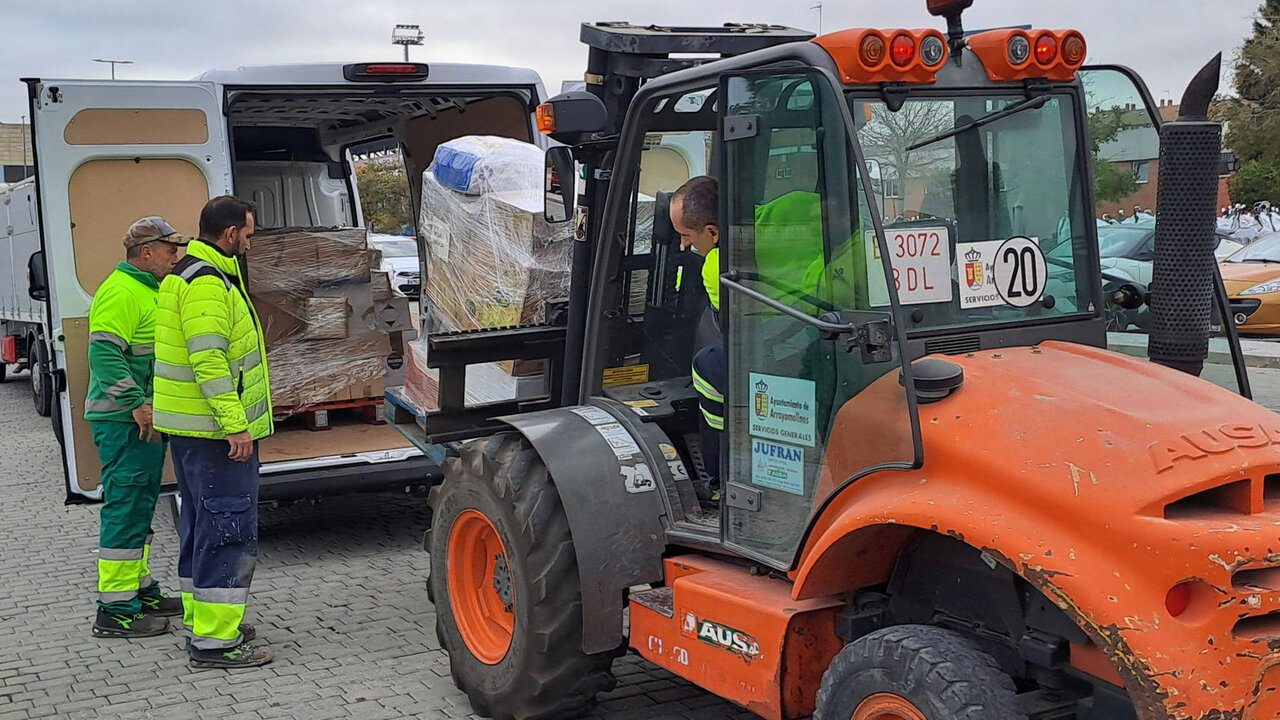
pixel 722 636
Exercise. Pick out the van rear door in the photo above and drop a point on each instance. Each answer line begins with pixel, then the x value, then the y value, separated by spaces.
pixel 108 153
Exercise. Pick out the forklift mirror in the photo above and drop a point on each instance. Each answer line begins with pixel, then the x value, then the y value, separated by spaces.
pixel 559 185
pixel 37 283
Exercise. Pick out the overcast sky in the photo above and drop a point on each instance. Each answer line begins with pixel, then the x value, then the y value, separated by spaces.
pixel 1164 40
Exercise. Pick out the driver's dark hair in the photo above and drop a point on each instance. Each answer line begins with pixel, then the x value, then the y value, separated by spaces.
pixel 223 212
pixel 700 202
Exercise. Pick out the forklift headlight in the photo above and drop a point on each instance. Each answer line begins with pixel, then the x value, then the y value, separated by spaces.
pixel 1269 286
pixel 932 50
pixel 1019 50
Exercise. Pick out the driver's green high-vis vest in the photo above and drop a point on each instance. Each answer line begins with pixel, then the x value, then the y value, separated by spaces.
pixel 211 366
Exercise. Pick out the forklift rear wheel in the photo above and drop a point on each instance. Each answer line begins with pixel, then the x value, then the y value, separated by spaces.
pixel 915 672
pixel 504 580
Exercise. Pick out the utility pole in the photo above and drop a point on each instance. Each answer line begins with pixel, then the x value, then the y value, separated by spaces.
pixel 113 64
pixel 23 120
pixel 406 35
pixel 818 7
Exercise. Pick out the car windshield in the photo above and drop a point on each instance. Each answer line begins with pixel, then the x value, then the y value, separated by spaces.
pixel 970 219
pixel 396 248
pixel 1262 250
pixel 1119 241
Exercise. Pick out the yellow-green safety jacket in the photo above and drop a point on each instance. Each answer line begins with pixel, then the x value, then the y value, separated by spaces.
pixel 211 376
pixel 122 325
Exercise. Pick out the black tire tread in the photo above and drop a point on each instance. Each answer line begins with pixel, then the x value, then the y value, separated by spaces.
pixel 561 679
pixel 944 664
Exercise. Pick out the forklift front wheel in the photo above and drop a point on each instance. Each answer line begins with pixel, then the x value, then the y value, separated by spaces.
pixel 504 580
pixel 915 672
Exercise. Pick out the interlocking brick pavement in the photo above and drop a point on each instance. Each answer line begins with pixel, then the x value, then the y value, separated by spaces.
pixel 339 593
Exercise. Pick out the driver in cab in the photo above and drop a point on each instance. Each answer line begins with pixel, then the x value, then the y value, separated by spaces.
pixel 695 209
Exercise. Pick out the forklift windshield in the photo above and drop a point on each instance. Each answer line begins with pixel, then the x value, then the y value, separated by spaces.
pixel 971 217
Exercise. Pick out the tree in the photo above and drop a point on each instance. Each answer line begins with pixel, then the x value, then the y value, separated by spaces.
pixel 1110 183
pixel 889 134
pixel 384 194
pixel 1253 116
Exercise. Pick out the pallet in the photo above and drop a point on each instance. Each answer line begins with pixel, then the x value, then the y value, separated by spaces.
pixel 317 417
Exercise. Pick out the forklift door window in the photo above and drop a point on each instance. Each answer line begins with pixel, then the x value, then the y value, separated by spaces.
pixel 958 201
pixel 804 411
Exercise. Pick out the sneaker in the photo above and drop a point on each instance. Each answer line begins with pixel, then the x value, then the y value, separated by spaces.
pixel 243 655
pixel 115 625
pixel 162 606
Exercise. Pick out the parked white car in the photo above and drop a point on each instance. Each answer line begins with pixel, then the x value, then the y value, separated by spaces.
pixel 400 262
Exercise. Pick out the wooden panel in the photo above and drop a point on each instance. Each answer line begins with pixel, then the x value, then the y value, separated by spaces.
pixel 345 439
pixel 107 196
pixel 88 467
pixel 121 126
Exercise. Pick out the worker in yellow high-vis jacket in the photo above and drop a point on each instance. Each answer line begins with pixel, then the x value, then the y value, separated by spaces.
pixel 213 399
pixel 122 324
pixel 695 213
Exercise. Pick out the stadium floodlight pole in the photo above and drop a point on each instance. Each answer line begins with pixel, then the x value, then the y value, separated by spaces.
pixel 406 35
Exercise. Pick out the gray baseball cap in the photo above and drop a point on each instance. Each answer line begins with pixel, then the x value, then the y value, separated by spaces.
pixel 152 229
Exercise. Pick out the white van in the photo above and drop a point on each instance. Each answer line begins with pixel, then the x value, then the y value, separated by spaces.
pixel 109 152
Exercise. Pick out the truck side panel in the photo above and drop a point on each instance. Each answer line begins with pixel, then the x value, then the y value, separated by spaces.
pixel 19 238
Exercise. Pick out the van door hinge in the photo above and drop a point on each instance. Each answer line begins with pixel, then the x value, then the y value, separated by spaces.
pixel 874 339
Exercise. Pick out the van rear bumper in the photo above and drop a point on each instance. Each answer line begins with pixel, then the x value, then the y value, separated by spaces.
pixel 344 479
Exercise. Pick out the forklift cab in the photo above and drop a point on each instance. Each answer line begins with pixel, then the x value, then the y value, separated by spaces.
pixel 972 231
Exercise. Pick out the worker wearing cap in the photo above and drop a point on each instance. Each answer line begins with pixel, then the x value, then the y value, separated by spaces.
pixel 213 399
pixel 122 324
pixel 695 209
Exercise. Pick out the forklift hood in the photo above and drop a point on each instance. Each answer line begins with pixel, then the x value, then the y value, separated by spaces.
pixel 1142 501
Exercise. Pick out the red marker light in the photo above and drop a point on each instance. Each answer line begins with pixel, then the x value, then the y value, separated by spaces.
pixel 902 50
pixel 872 51
pixel 1046 49
pixel 1073 49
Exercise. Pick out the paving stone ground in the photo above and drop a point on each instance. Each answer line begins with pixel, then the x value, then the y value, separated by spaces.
pixel 339 594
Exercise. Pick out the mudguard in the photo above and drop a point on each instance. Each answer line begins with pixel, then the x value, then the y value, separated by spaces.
pixel 611 486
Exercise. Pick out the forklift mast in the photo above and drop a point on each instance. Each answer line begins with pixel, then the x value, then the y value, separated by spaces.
pixel 623 57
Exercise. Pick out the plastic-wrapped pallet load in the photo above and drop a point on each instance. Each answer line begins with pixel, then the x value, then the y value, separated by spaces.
pixel 492 260
pixel 314 293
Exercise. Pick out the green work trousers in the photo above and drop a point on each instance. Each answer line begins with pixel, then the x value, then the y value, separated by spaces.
pixel 131 471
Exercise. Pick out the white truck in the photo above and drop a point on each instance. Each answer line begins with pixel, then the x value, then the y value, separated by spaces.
pixel 109 152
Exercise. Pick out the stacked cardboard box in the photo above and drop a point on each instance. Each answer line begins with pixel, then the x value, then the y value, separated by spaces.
pixel 492 260
pixel 315 296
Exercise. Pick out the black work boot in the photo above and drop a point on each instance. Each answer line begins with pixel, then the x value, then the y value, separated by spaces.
pixel 245 654
pixel 115 625
pixel 161 606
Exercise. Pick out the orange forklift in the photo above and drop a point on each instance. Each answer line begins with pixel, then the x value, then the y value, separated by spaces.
pixel 943 496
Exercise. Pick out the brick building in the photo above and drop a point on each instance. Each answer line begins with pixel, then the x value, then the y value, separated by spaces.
pixel 15 152
pixel 1137 151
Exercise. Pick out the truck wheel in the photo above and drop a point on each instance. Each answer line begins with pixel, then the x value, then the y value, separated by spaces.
pixel 504 577
pixel 915 672
pixel 41 383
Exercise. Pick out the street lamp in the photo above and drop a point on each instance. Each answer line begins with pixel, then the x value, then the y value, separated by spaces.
pixel 407 35
pixel 113 64
pixel 818 7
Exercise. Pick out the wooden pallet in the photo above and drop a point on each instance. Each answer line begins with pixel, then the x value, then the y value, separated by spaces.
pixel 317 417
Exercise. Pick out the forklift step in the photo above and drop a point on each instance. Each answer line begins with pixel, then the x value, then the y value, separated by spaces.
pixel 660 600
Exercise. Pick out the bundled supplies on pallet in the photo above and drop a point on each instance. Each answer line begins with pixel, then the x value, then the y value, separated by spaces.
pixel 492 259
pixel 324 314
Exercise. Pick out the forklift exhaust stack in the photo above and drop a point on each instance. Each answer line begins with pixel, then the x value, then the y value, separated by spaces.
pixel 1183 277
